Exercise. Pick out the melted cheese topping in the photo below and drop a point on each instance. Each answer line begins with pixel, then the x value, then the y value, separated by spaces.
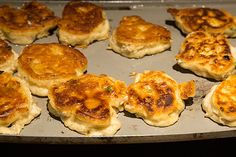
pixel 88 101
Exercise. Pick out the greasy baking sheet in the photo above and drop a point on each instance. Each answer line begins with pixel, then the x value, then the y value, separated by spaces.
pixel 192 124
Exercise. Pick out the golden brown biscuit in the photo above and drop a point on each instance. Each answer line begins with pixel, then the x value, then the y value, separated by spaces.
pixel 22 26
pixel 82 23
pixel 220 103
pixel 85 103
pixel 215 21
pixel 207 55
pixel 157 98
pixel 7 57
pixel 135 38
pixel 16 104
pixel 42 65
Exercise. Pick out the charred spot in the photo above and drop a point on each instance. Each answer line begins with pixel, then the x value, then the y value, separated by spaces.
pixel 165 100
pixel 64 100
pixel 148 102
pixel 8 48
pixel 222 109
pixel 226 57
pixel 232 109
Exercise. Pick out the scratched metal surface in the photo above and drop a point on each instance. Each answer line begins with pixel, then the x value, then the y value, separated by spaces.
pixel 192 124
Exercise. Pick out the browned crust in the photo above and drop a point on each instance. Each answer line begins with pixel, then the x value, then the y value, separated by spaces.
pixel 152 96
pixel 51 61
pixel 5 52
pixel 13 103
pixel 225 101
pixel 205 19
pixel 135 30
pixel 81 17
pixel 161 101
pixel 187 89
pixel 87 98
pixel 211 51
pixel 31 17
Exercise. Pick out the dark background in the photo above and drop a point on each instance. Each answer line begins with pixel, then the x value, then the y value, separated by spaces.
pixel 213 147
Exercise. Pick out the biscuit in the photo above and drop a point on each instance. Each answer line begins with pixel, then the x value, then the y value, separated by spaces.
pixel 135 38
pixel 220 103
pixel 214 21
pixel 207 55
pixel 16 104
pixel 8 57
pixel 22 26
pixel 157 98
pixel 88 104
pixel 82 23
pixel 42 65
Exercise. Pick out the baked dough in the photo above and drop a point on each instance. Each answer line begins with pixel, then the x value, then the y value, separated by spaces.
pixel 8 57
pixel 16 104
pixel 157 98
pixel 88 104
pixel 42 65
pixel 82 23
pixel 135 38
pixel 211 20
pixel 220 103
pixel 207 55
pixel 26 24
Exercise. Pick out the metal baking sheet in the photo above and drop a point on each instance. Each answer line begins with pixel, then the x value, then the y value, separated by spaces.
pixel 192 124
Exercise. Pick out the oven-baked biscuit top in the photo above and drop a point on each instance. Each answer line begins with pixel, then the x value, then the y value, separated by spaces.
pixel 42 65
pixel 82 23
pixel 7 57
pixel 88 104
pixel 16 104
pixel 216 21
pixel 207 55
pixel 22 26
pixel 157 98
pixel 135 38
pixel 220 102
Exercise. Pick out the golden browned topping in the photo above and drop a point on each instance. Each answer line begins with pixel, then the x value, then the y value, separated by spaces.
pixel 154 94
pixel 205 19
pixel 30 16
pixel 133 29
pixel 208 50
pixel 49 61
pixel 187 89
pixel 5 52
pixel 13 103
pixel 81 17
pixel 87 97
pixel 224 97
pixel 151 96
